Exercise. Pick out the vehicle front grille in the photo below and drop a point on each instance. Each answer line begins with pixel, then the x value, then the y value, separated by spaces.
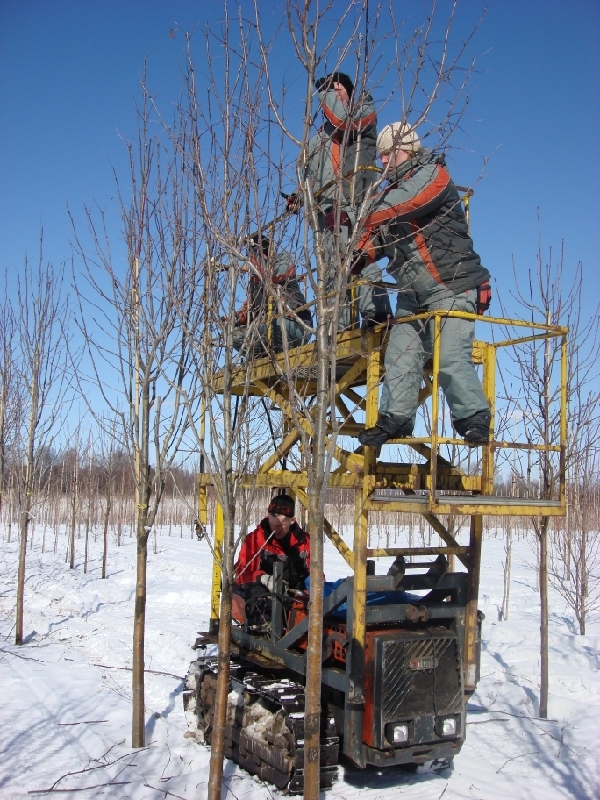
pixel 421 675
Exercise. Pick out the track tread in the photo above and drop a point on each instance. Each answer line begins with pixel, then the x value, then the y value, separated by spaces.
pixel 275 752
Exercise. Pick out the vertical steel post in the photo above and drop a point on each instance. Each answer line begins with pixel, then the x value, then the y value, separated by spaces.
pixel 489 391
pixel 215 595
pixel 435 407
pixel 564 376
pixel 353 746
pixel 470 647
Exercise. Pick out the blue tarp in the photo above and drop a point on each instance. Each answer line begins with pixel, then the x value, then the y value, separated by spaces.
pixel 373 598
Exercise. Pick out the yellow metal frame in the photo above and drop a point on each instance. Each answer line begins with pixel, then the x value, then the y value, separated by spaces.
pixel 360 357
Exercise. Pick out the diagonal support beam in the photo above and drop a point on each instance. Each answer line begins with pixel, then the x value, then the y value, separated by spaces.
pixel 358 401
pixel 446 536
pixel 288 442
pixel 353 462
pixel 344 410
pixel 284 405
pixel 333 536
pixel 351 376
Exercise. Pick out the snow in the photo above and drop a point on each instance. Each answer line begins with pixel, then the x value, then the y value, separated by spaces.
pixel 65 697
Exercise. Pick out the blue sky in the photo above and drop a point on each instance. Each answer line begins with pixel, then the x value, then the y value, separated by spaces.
pixel 69 76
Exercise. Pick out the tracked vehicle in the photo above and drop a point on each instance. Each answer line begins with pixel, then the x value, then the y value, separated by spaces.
pixel 404 703
pixel 400 650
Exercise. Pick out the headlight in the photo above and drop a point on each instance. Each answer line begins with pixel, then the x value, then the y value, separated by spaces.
pixel 399 733
pixel 449 726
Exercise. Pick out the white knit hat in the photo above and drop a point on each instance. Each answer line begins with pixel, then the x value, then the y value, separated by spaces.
pixel 398 136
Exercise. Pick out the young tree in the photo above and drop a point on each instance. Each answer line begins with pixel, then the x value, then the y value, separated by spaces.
pixel 534 396
pixel 217 142
pixel 42 367
pixel 140 343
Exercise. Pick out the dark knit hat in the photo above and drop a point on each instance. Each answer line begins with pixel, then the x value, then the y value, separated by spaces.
pixel 335 77
pixel 283 504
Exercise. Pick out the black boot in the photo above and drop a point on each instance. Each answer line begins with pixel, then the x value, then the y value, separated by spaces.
pixel 398 567
pixel 386 427
pixel 475 430
pixel 439 566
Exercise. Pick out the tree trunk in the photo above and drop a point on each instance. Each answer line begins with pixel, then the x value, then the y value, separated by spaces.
pixel 507 566
pixel 24 526
pixel 217 747
pixel 314 657
pixel 72 536
pixel 543 579
pixel 27 489
pixel 138 728
pixel 105 534
pixel 316 484
pixel 85 554
pixel 583 579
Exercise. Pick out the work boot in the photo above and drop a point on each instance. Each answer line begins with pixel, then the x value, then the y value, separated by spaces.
pixel 439 567
pixel 398 567
pixel 386 427
pixel 475 430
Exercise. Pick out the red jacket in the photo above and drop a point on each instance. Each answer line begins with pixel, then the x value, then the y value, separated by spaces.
pixel 248 566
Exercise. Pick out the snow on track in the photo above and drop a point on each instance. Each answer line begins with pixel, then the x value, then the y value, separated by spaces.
pixel 65 695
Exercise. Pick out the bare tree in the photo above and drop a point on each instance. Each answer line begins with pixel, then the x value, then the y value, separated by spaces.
pixel 217 144
pixel 535 397
pixel 139 343
pixel 42 369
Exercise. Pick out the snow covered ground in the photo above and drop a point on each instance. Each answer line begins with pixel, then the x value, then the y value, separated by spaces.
pixel 65 695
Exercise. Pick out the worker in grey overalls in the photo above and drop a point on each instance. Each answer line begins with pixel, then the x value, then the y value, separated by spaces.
pixel 418 221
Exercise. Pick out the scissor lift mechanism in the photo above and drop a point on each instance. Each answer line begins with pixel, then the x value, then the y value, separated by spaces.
pixel 385 486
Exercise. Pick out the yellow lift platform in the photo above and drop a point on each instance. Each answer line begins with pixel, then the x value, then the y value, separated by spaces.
pixel 433 489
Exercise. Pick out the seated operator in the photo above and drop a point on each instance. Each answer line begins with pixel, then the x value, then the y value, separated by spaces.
pixel 271 274
pixel 419 223
pixel 278 537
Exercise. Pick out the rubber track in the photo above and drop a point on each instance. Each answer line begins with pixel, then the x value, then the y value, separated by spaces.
pixel 276 753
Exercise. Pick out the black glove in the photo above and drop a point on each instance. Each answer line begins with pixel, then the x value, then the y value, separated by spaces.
pixel 331 221
pixel 295 570
pixel 266 562
pixel 360 260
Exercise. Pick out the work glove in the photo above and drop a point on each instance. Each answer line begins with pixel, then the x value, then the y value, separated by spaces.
pixel 360 260
pixel 268 581
pixel 484 297
pixel 331 220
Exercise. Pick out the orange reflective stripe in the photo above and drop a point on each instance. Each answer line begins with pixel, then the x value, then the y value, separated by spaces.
pixel 285 276
pixel 426 195
pixel 365 244
pixel 354 125
pixel 335 157
pixel 424 252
